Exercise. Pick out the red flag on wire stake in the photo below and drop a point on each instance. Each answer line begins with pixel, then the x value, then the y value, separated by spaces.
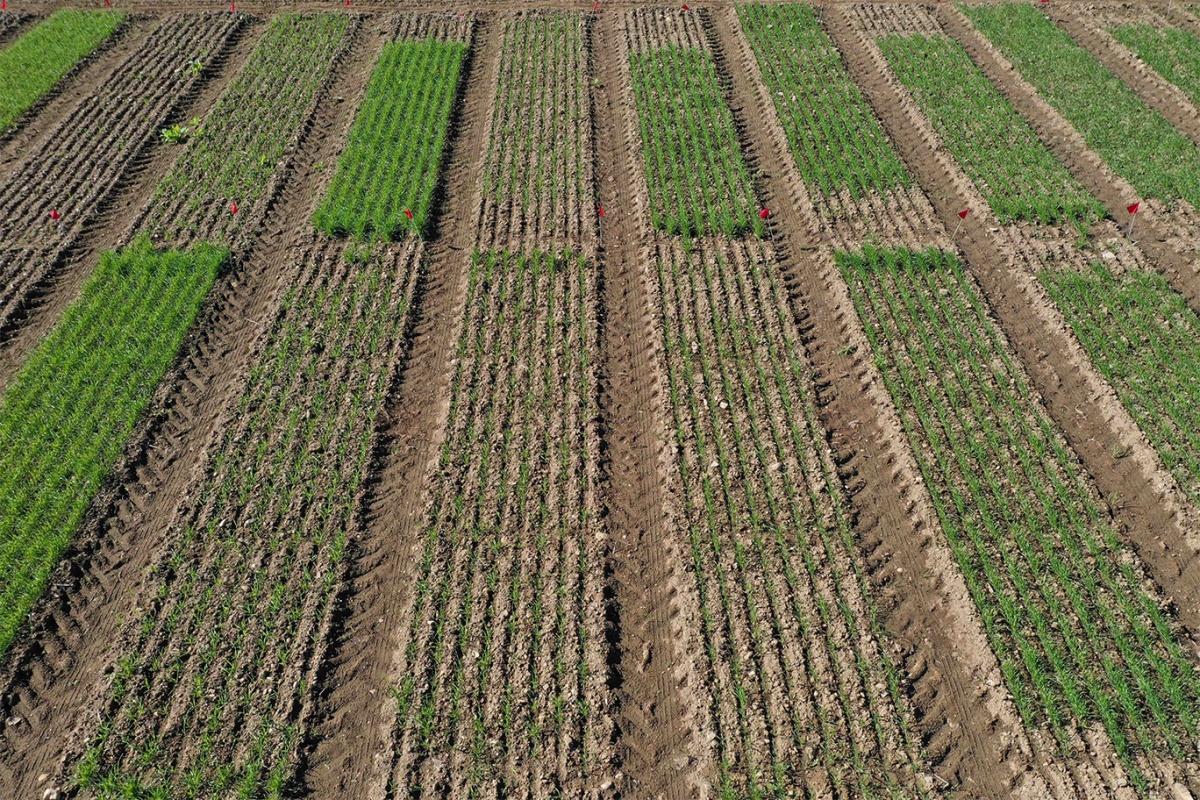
pixel 685 7
pixel 233 207
pixel 765 216
pixel 233 6
pixel 54 215
pixel 408 214
pixel 1133 210
pixel 962 215
pixel 3 5
pixel 595 6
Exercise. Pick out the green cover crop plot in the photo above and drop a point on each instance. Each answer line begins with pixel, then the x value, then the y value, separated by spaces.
pixel 1017 175
pixel 33 64
pixel 210 685
pixel 250 128
pixel 1146 341
pixel 65 417
pixel 396 147
pixel 1173 52
pixel 800 692
pixel 835 138
pixel 503 659
pixel 1078 639
pixel 538 182
pixel 1136 141
pixel 698 180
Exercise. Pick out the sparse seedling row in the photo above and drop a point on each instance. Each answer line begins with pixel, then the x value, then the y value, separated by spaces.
pixel 1173 52
pixel 1013 170
pixel 502 659
pixel 1138 143
pixel 66 415
pixel 1079 640
pixel 205 696
pixel 801 696
pixel 247 134
pixel 538 182
pixel 390 167
pixel 32 65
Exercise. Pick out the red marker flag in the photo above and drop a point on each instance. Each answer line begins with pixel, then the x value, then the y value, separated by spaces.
pixel 408 214
pixel 764 214
pixel 108 3
pixel 233 6
pixel 595 6
pixel 1133 209
pixel 685 8
pixel 964 213
pixel 233 207
pixel 54 215
pixel 3 5
pixel 601 210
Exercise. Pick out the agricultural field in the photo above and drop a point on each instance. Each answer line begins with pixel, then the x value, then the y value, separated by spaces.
pixel 754 401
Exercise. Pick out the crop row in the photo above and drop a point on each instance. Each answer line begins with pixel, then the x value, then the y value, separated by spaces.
pixel 538 178
pixel 86 155
pixel 1145 340
pixel 66 415
pixel 1173 52
pixel 698 180
pixel 502 663
pixel 1017 175
pixel 212 681
pixel 800 695
pixel 390 166
pixel 1061 598
pixel 247 134
pixel 36 62
pixel 1137 142
pixel 835 138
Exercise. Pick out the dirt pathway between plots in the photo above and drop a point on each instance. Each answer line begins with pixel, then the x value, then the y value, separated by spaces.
pixel 112 227
pixel 1069 147
pixel 654 708
pixel 973 737
pixel 81 82
pixel 1078 400
pixel 1154 90
pixel 354 733
pixel 51 677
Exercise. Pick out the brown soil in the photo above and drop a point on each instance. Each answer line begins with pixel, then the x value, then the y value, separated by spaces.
pixel 1080 403
pixel 1156 91
pixel 659 753
pixel 53 678
pixel 353 742
pixel 101 178
pixel 13 25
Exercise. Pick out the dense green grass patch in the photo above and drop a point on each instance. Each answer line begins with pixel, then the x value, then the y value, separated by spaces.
pixel 1079 641
pixel 1017 175
pixel 66 415
pixel 1173 52
pixel 835 138
pixel 1137 142
pixel 1145 339
pixel 698 180
pixel 397 144
pixel 33 64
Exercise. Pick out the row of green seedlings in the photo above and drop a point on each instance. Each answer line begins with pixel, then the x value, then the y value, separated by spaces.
pixel 502 661
pixel 67 413
pixel 1172 52
pixel 249 130
pixel 773 548
pixel 1137 142
pixel 102 134
pixel 699 183
pixel 387 175
pixel 1017 175
pixel 1145 340
pixel 837 142
pixel 1062 601
pixel 538 180
pixel 204 700
pixel 35 63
